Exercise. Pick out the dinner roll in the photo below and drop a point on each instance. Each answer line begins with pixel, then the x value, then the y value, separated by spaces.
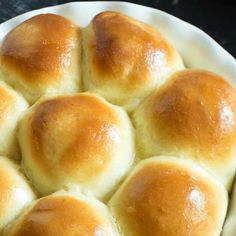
pixel 65 214
pixel 167 196
pixel 15 193
pixel 193 116
pixel 124 59
pixel 42 56
pixel 12 105
pixel 78 138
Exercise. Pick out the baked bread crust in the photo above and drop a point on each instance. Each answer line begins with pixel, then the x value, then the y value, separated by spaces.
pixel 86 88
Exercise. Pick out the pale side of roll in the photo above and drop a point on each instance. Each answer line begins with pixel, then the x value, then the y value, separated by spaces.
pixel 15 192
pixel 12 106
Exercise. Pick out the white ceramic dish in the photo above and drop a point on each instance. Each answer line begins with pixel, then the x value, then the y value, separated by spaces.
pixel 196 47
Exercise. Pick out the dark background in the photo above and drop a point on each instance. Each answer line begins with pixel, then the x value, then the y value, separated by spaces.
pixel 216 17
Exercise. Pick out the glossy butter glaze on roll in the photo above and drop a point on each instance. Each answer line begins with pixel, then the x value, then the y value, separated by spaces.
pixel 124 59
pixel 166 196
pixel 84 145
pixel 193 116
pixel 79 138
pixel 42 56
pixel 15 192
pixel 64 214
pixel 12 106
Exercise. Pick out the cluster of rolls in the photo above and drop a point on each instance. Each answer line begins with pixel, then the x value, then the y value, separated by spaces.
pixel 103 132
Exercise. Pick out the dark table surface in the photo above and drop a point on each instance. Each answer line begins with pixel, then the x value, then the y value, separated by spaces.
pixel 216 17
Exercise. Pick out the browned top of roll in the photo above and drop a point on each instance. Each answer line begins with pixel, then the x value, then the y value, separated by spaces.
pixel 170 199
pixel 39 49
pixel 63 216
pixel 80 130
pixel 196 112
pixel 123 46
pixel 15 193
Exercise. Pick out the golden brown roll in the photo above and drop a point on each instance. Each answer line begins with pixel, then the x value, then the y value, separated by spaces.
pixel 15 193
pixel 124 59
pixel 193 116
pixel 78 138
pixel 167 196
pixel 12 105
pixel 42 56
pixel 65 214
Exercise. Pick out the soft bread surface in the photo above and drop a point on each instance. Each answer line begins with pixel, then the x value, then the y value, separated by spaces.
pixel 79 138
pixel 42 56
pixel 83 141
pixel 166 196
pixel 15 193
pixel 65 215
pixel 193 116
pixel 125 59
pixel 12 106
